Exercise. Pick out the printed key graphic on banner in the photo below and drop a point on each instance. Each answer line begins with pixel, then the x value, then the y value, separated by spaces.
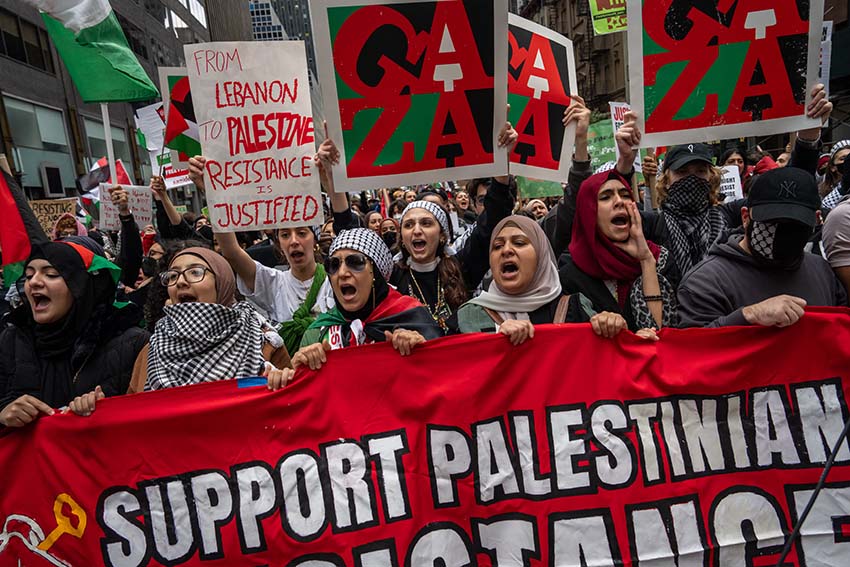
pixel 701 71
pixel 541 76
pixel 252 101
pixel 414 91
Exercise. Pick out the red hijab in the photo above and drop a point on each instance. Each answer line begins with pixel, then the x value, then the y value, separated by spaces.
pixel 592 252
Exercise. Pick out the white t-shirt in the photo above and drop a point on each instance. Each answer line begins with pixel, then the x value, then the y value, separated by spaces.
pixel 279 293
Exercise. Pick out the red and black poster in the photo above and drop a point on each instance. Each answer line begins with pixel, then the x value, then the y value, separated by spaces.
pixel 568 450
pixel 413 90
pixel 541 77
pixel 702 71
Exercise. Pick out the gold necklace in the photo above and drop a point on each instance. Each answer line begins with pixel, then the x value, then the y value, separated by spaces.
pixel 436 313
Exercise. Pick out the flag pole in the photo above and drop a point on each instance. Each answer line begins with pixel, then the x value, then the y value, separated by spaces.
pixel 107 136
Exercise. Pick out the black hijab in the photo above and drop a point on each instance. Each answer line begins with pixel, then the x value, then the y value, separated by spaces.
pixel 93 294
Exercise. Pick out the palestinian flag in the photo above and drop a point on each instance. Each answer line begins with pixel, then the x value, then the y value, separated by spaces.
pixel 94 263
pixel 18 231
pixel 93 47
pixel 99 173
pixel 181 126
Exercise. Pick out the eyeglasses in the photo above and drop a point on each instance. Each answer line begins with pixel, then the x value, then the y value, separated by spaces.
pixel 195 274
pixel 356 263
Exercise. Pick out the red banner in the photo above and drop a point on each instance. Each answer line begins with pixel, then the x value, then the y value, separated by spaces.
pixel 567 450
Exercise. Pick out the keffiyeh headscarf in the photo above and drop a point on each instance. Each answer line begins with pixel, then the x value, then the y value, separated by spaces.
pixel 432 208
pixel 544 288
pixel 369 243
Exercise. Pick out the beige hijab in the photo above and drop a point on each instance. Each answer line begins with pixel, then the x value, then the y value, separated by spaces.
pixel 544 288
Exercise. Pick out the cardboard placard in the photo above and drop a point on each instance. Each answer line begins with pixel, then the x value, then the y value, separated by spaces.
pixel 609 16
pixel 730 183
pixel 252 101
pixel 697 76
pixel 48 211
pixel 140 200
pixel 414 91
pixel 541 76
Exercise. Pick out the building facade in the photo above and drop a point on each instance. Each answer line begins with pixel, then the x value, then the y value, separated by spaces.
pixel 295 17
pixel 49 136
pixel 265 24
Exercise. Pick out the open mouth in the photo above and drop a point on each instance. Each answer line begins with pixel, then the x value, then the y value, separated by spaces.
pixel 185 297
pixel 40 302
pixel 347 291
pixel 620 219
pixel 510 268
pixel 419 245
pixel 296 255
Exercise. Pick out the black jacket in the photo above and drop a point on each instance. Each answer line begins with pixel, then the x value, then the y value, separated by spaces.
pixel 104 355
pixel 715 292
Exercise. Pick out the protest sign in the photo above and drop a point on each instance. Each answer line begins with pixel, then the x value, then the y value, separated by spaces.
pixel 730 183
pixel 825 55
pixel 531 188
pixel 600 143
pixel 618 118
pixel 608 16
pixel 252 100
pixel 150 121
pixel 415 92
pixel 700 449
pixel 701 73
pixel 541 76
pixel 48 211
pixel 139 199
pixel 181 133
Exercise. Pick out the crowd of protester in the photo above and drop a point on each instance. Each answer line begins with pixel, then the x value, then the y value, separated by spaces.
pixel 178 303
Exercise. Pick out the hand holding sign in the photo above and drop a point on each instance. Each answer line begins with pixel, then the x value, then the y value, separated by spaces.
pixel 120 199
pixel 820 107
pixel 196 171
pixel 628 140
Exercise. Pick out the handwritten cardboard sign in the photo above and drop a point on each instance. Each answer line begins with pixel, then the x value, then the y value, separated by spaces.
pixel 48 211
pixel 252 102
pixel 141 205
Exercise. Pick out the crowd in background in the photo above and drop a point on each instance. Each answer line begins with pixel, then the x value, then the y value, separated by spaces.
pixel 179 303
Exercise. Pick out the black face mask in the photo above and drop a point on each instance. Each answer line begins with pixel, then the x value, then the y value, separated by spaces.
pixel 844 169
pixel 149 266
pixel 206 231
pixel 390 238
pixel 778 244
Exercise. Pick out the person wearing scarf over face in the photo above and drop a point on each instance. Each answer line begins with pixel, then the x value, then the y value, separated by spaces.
pixel 68 338
pixel 611 262
pixel 525 290
pixel 204 334
pixel 367 309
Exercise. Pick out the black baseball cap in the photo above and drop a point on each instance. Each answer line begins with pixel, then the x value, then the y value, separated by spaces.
pixel 784 193
pixel 680 156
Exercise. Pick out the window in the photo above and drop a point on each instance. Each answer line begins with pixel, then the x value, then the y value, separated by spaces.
pixel 39 137
pixel 25 42
pixel 197 10
pixel 177 22
pixel 157 10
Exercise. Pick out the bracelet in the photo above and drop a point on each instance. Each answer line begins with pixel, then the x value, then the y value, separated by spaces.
pixel 649 298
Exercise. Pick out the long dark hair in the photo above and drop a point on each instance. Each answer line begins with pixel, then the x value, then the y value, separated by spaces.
pixel 449 272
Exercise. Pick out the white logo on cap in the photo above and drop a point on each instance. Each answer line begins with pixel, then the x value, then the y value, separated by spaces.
pixel 691 148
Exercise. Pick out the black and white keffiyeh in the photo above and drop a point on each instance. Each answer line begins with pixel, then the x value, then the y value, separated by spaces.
pixel 692 223
pixel 369 243
pixel 432 208
pixel 204 342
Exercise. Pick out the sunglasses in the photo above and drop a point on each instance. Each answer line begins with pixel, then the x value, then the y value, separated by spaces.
pixel 356 262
